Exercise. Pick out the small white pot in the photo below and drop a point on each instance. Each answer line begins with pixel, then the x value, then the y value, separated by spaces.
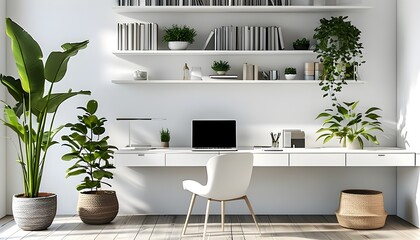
pixel 221 72
pixel 290 76
pixel 178 45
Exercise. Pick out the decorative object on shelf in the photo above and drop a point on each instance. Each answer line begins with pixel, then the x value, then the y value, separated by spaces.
pixel 293 138
pixel 195 73
pixel 32 119
pixel 275 139
pixel 140 75
pixel 186 71
pixel 271 75
pixel 301 44
pixel 220 67
pixel 290 73
pixel 179 37
pixel 349 126
pixel 361 209
pixel 92 154
pixel 165 137
pixel 338 44
pixel 313 70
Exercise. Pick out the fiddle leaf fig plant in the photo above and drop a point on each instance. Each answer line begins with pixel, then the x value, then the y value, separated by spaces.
pixel 338 46
pixel 33 115
pixel 348 125
pixel 89 149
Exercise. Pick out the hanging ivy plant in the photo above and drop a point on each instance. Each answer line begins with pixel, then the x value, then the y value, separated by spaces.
pixel 340 51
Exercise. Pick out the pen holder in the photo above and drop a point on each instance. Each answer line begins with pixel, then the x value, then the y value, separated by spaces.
pixel 275 144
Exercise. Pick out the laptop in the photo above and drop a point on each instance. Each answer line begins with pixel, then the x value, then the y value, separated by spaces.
pixel 213 135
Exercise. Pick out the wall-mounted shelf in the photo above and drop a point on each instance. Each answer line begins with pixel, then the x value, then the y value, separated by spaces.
pixel 235 9
pixel 211 52
pixel 224 82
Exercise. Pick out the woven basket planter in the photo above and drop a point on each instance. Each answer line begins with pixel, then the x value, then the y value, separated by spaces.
pixel 97 207
pixel 361 209
pixel 34 214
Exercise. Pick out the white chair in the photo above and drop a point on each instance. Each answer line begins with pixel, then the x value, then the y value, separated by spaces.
pixel 228 178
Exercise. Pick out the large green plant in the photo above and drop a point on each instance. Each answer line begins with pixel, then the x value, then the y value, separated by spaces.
pixel 32 117
pixel 347 125
pixel 89 149
pixel 339 46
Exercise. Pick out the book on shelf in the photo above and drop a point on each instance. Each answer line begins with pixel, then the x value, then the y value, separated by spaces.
pixel 230 76
pixel 246 38
pixel 203 2
pixel 249 71
pixel 137 36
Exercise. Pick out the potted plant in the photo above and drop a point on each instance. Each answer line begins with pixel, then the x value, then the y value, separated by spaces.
pixel 165 137
pixel 32 119
pixel 349 126
pixel 220 67
pixel 91 153
pixel 290 73
pixel 338 45
pixel 301 44
pixel 179 37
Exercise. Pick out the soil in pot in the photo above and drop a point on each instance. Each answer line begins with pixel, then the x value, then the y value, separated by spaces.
pixel 97 207
pixel 34 214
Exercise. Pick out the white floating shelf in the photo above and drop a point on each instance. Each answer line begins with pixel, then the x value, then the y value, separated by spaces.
pixel 211 52
pixel 224 82
pixel 235 9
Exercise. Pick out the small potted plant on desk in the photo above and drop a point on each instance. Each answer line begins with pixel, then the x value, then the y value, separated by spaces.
pixel 165 137
pixel 290 73
pixel 91 153
pixel 220 67
pixel 179 38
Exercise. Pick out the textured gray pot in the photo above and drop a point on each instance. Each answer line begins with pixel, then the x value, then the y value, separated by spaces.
pixel 32 214
pixel 97 207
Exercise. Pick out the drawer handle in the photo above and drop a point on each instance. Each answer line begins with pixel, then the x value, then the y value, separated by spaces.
pixel 381 155
pixel 140 155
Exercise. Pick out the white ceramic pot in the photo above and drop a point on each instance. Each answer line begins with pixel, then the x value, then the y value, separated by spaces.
pixel 178 45
pixel 290 76
pixel 221 72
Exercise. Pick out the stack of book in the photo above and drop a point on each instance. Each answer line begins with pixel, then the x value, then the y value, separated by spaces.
pixel 137 36
pixel 129 2
pixel 246 38
pixel 203 2
pixel 250 71
pixel 260 2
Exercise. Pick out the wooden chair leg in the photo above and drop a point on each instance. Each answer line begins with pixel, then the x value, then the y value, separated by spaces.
pixel 206 219
pixel 222 207
pixel 189 213
pixel 252 213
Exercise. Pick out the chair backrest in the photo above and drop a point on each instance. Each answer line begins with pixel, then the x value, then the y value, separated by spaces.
pixel 229 175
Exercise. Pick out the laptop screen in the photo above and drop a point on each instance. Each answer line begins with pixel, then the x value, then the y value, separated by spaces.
pixel 212 133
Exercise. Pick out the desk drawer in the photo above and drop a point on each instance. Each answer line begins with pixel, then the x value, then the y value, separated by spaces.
pixel 380 159
pixel 317 159
pixel 139 159
pixel 271 160
pixel 188 159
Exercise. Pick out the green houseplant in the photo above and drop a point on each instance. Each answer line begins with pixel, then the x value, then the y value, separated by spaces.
pixel 179 37
pixel 338 46
pixel 301 44
pixel 92 154
pixel 165 137
pixel 290 73
pixel 220 67
pixel 348 125
pixel 32 119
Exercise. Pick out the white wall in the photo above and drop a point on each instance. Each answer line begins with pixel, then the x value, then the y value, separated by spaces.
pixel 408 102
pixel 3 97
pixel 259 109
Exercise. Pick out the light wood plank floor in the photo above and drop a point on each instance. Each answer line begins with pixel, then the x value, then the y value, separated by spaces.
pixel 163 227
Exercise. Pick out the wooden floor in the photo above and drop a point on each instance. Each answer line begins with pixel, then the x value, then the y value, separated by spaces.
pixel 237 227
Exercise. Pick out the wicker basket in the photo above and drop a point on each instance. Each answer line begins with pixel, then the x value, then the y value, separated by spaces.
pixel 97 207
pixel 361 209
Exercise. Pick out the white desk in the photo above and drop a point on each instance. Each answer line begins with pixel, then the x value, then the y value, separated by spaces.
pixel 403 187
